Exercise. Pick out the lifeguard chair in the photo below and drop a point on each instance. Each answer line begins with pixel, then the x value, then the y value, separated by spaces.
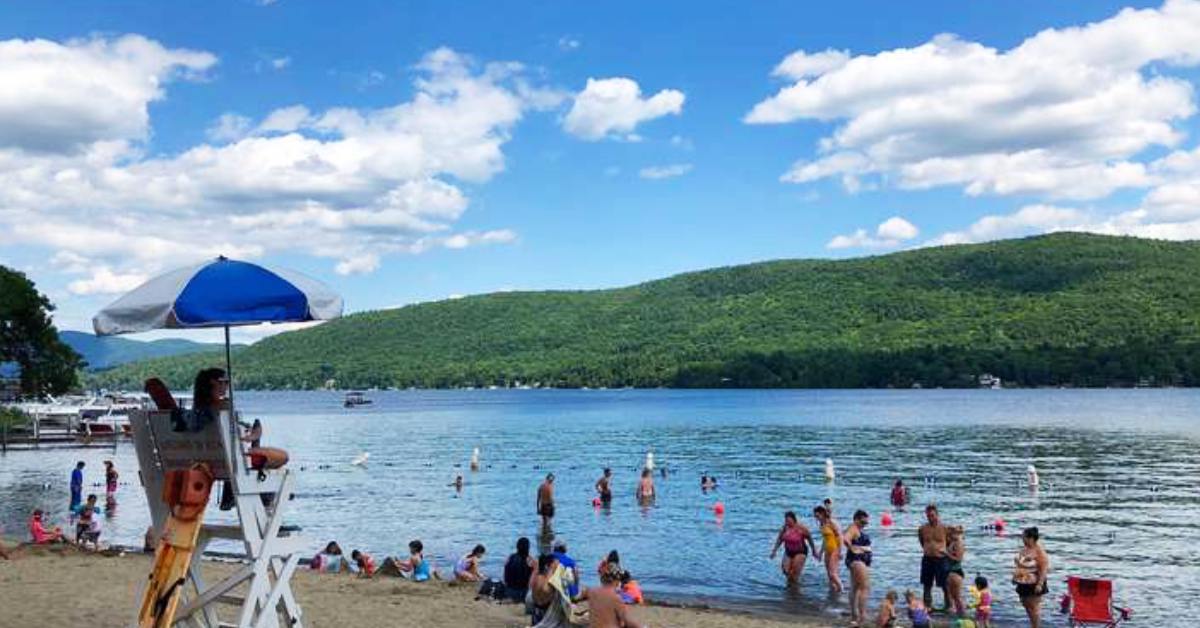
pixel 261 587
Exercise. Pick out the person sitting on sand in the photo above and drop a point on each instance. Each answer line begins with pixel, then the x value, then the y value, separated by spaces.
pixel 645 489
pixel 613 558
pixel 39 533
pixel 518 570
pixel 570 566
pixel 917 613
pixel 604 603
pixel 541 594
pixel 415 567
pixel 467 567
pixel 631 591
pixel 364 562
pixel 887 611
pixel 331 560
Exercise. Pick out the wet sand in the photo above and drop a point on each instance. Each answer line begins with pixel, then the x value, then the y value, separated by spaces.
pixel 63 587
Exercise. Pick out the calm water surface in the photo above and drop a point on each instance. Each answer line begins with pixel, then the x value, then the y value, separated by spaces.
pixel 1120 473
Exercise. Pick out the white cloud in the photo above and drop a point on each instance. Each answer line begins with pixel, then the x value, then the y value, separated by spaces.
pixel 801 65
pixel 897 228
pixel 358 264
pixel 280 63
pixel 350 185
pixel 614 107
pixel 229 127
pixel 1064 114
pixel 889 234
pixel 665 172
pixel 63 98
pixel 679 141
pixel 568 44
pixel 104 281
pixel 1029 220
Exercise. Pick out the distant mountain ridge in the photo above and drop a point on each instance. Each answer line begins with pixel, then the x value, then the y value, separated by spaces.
pixel 1066 309
pixel 104 352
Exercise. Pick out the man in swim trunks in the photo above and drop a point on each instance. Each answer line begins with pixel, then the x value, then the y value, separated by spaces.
pixel 935 563
pixel 604 487
pixel 604 603
pixel 545 500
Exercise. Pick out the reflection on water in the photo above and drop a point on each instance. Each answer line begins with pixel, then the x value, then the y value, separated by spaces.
pixel 1119 472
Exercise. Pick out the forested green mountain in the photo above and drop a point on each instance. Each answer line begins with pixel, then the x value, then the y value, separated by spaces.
pixel 101 352
pixel 1063 309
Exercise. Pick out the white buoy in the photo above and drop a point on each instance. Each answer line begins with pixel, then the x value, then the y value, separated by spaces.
pixel 475 459
pixel 361 459
pixel 650 460
pixel 829 473
pixel 1032 473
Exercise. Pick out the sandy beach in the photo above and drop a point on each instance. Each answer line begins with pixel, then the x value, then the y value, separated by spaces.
pixel 63 587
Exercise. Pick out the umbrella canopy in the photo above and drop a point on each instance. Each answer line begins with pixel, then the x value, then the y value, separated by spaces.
pixel 219 293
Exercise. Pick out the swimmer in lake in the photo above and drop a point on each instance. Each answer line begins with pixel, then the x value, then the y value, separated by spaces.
pixel 457 483
pixel 545 501
pixel 645 489
pixel 604 487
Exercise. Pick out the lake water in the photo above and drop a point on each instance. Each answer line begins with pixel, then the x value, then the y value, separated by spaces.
pixel 1119 499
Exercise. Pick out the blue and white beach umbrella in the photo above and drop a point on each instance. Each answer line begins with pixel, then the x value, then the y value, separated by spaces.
pixel 219 293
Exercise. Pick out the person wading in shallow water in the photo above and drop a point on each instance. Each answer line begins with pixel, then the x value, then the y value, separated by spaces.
pixel 545 501
pixel 604 487
pixel 935 563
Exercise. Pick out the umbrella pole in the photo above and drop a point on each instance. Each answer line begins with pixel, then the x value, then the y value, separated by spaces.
pixel 229 370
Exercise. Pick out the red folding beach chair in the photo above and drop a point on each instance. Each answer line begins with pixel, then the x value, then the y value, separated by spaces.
pixel 1092 603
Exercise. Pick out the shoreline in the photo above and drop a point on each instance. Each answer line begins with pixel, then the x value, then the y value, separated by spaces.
pixel 103 589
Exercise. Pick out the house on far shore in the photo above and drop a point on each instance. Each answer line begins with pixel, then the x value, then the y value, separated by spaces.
pixel 10 381
pixel 987 380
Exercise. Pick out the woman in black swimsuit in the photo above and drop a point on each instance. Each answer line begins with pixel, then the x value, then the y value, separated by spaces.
pixel 858 560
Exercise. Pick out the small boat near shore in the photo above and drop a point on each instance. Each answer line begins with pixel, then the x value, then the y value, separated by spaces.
pixel 356 398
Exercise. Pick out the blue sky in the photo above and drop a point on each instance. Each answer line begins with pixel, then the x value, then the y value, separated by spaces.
pixel 905 136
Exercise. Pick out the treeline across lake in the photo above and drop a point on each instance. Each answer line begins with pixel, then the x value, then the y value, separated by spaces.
pixel 1058 310
pixel 1138 363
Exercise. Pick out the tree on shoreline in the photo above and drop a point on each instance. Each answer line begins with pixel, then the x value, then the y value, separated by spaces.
pixel 28 338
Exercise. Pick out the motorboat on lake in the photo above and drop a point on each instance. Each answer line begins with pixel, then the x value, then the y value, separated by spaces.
pixel 356 398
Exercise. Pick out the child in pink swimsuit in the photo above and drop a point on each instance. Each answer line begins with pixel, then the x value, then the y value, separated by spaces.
pixel 983 612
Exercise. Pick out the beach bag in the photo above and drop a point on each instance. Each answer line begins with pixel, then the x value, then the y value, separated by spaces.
pixel 493 589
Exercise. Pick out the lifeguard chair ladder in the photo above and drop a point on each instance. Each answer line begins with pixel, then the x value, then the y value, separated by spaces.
pixel 265 598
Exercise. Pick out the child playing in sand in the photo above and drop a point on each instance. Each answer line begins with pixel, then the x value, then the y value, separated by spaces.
pixel 366 564
pixel 916 610
pixel 630 591
pixel 983 612
pixel 467 567
pixel 887 611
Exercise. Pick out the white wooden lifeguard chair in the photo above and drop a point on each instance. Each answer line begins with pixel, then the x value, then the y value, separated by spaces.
pixel 261 587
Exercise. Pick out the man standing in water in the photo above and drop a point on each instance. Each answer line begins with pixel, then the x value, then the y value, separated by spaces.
pixel 77 486
pixel 545 501
pixel 935 563
pixel 604 487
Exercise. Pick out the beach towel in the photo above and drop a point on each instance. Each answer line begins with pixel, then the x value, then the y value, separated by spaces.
pixel 561 613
